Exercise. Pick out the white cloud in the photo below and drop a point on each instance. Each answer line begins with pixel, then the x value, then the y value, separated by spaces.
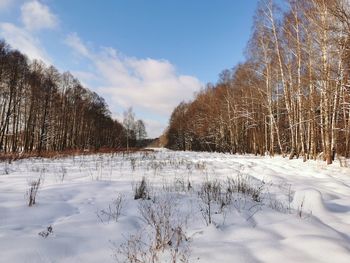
pixel 37 16
pixel 150 85
pixel 20 39
pixel 73 41
pixel 84 75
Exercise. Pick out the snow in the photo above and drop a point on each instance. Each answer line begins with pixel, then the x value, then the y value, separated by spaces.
pixel 303 214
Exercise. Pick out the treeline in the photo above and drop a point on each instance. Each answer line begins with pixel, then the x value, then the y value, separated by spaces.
pixel 43 110
pixel 291 96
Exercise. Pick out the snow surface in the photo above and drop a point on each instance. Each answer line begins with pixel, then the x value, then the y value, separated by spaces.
pixel 304 214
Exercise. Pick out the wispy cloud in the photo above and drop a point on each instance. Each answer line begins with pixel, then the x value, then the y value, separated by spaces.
pixel 37 16
pixel 22 40
pixel 150 85
pixel 73 41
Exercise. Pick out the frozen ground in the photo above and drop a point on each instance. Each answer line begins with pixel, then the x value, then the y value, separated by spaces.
pixel 301 213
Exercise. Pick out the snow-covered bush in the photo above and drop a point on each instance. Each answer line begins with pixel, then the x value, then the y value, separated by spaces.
pixel 134 250
pixel 6 168
pixel 142 190
pixel 164 238
pixel 243 184
pixel 210 192
pixel 47 232
pixel 113 211
pixel 133 163
pixel 241 191
pixel 33 190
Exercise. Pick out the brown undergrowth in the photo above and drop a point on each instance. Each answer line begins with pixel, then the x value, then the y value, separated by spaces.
pixel 60 154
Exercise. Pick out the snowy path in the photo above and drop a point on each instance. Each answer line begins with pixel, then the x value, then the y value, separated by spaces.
pixel 313 226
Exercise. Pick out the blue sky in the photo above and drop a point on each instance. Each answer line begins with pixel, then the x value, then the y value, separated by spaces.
pixel 149 54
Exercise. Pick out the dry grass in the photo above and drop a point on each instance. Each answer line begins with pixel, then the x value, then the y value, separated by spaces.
pixel 67 153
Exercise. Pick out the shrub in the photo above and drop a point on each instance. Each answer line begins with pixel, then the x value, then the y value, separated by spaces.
pixel 133 163
pixel 113 211
pixel 142 190
pixel 33 190
pixel 209 192
pixel 165 242
pixel 47 232
pixel 244 185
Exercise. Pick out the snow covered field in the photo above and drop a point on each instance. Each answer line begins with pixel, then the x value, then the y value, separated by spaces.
pixel 261 209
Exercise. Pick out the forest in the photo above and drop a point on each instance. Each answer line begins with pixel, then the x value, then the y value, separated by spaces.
pixel 291 96
pixel 43 110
